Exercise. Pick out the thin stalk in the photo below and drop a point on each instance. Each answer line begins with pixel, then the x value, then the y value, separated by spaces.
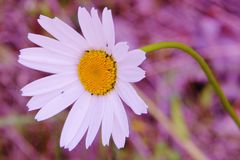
pixel 186 143
pixel 205 68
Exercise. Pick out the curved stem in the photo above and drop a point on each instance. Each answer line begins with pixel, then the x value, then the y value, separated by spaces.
pixel 205 68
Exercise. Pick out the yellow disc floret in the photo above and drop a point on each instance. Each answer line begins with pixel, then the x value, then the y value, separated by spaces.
pixel 97 72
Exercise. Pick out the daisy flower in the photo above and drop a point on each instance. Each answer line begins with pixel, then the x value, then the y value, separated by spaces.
pixel 92 72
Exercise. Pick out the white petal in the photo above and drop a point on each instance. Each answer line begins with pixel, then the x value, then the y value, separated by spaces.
pixel 120 51
pixel 130 74
pixel 37 102
pixel 107 122
pixel 96 120
pixel 85 22
pixel 75 118
pixel 50 68
pixel 120 115
pixel 131 98
pixel 83 128
pixel 50 26
pixel 63 32
pixel 77 38
pixel 41 55
pixel 49 83
pixel 98 30
pixel 60 102
pixel 53 45
pixel 134 58
pixel 118 135
pixel 108 27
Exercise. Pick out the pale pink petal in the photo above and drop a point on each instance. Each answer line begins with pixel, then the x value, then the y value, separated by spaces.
pixel 131 98
pixel 118 135
pixel 107 122
pixel 108 27
pixel 58 30
pixel 60 102
pixel 49 83
pixel 133 58
pixel 86 24
pixel 130 74
pixel 120 115
pixel 75 118
pixel 120 51
pixel 98 30
pixel 76 38
pixel 41 55
pixel 96 120
pixel 37 102
pixel 53 45
pixel 63 32
pixel 85 124
pixel 49 68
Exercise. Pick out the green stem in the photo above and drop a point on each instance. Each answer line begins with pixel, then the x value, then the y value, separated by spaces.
pixel 205 68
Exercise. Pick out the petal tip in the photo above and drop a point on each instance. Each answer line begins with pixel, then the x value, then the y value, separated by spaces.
pixel 30 109
pixel 30 36
pixel 144 112
pixel 121 146
pixel 38 117
pixel 62 144
pixel 42 16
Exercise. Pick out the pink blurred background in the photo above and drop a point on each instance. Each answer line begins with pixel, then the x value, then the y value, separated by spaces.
pixel 174 82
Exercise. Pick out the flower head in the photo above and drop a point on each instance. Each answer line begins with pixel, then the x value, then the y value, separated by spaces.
pixel 91 72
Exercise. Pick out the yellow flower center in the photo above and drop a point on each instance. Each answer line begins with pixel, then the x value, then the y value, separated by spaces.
pixel 97 72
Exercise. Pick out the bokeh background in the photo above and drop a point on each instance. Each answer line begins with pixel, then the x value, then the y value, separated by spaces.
pixel 190 122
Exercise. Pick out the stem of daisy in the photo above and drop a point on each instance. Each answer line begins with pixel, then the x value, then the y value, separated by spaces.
pixel 211 78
